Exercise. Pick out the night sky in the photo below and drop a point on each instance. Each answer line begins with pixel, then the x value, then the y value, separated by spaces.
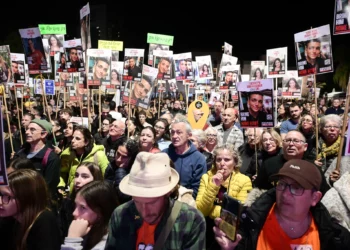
pixel 250 26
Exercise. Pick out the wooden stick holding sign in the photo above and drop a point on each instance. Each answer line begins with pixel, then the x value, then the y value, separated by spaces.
pixel 8 120
pixel 316 120
pixel 345 120
pixel 18 118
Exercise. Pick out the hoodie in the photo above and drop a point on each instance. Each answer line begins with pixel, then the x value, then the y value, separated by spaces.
pixel 191 165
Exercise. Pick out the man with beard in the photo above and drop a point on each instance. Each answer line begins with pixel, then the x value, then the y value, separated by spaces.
pixel 177 109
pixel 292 123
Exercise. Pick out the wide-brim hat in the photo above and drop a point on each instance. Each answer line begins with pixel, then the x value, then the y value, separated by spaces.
pixel 150 176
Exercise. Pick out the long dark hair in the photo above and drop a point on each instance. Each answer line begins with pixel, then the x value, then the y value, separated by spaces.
pixel 102 199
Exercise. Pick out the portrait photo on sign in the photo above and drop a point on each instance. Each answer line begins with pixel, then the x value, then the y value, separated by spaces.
pixel 55 43
pixel 133 64
pixel 256 103
pixel 291 84
pixel 313 50
pixel 183 66
pixel 230 75
pixel 140 91
pixel 172 85
pixel 74 56
pixel 163 60
pixel 257 70
pixel 17 66
pixel 276 60
pixel 155 47
pixel 204 67
pixel 116 74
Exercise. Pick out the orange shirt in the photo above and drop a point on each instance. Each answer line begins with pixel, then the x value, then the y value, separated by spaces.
pixel 273 237
pixel 145 236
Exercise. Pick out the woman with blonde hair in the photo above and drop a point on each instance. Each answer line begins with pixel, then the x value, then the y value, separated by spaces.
pixel 223 177
pixel 26 199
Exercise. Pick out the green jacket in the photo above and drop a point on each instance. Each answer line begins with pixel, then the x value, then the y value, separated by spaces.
pixel 188 231
pixel 70 162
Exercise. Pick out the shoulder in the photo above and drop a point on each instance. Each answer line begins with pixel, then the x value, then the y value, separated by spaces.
pixel 190 214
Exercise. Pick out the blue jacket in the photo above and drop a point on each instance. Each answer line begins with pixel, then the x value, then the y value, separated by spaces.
pixel 191 166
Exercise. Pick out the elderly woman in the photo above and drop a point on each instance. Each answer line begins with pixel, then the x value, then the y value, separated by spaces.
pixel 328 142
pixel 199 140
pixel 224 177
pixel 213 139
pixel 270 145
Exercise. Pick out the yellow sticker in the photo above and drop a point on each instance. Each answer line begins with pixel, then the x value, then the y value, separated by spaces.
pixel 198 113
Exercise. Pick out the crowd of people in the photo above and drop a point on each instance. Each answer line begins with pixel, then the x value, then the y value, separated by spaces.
pixel 140 179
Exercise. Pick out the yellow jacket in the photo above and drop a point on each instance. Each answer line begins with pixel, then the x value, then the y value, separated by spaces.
pixel 70 162
pixel 239 186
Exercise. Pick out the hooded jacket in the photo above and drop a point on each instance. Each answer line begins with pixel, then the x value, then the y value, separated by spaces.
pixel 191 165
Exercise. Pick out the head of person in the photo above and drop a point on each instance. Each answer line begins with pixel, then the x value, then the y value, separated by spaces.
pixel 126 153
pixel 148 138
pixel 131 62
pixel 226 158
pixel 73 55
pixel 24 199
pixel 180 132
pixel 66 114
pixel 255 102
pixel 114 75
pixel 292 83
pixel 277 63
pixel 82 140
pixel 297 189
pixel 253 136
pixel 336 103
pixel 228 76
pixel 19 163
pixel 294 145
pixel 95 203
pixel 164 65
pixel 197 114
pixel 31 44
pixel 198 138
pixel 38 130
pixel 330 128
pixel 270 141
pixel 212 136
pixel 258 74
pixel 182 65
pixel 150 183
pixel 14 66
pixel 54 41
pixel 205 67
pixel 295 111
pixel 142 88
pixel 85 173
pixel 26 119
pixel 218 106
pixel 168 117
pixel 117 129
pixel 161 127
pixel 101 68
pixel 307 124
pixel 229 117
pixel 312 49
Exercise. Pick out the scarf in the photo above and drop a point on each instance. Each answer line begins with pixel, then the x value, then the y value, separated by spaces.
pixel 329 151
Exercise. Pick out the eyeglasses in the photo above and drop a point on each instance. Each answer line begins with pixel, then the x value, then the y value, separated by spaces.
pixel 331 127
pixel 307 120
pixel 5 199
pixel 293 188
pixel 158 127
pixel 295 141
pixel 270 140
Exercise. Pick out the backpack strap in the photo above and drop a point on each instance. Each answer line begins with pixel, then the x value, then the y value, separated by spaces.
pixel 46 157
pixel 168 226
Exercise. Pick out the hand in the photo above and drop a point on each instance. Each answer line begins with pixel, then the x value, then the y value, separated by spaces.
pixel 78 228
pixel 224 242
pixel 254 177
pixel 334 176
pixel 318 162
pixel 218 178
pixel 57 150
pixel 12 155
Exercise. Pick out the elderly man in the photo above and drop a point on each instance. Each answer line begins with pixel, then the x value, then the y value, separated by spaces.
pixel 228 131
pixel 293 147
pixel 189 162
pixel 152 219
pixel 288 217
pixel 45 160
pixel 114 139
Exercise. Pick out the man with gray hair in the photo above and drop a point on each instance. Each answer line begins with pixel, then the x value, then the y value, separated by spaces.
pixel 114 139
pixel 189 162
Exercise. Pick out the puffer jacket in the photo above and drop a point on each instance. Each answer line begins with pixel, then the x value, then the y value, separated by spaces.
pixel 238 188
pixel 70 162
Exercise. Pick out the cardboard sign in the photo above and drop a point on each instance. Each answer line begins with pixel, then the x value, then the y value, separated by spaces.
pixel 52 29
pixel 198 113
pixel 112 45
pixel 160 39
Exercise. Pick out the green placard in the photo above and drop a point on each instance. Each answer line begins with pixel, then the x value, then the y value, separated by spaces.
pixel 52 29
pixel 160 39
